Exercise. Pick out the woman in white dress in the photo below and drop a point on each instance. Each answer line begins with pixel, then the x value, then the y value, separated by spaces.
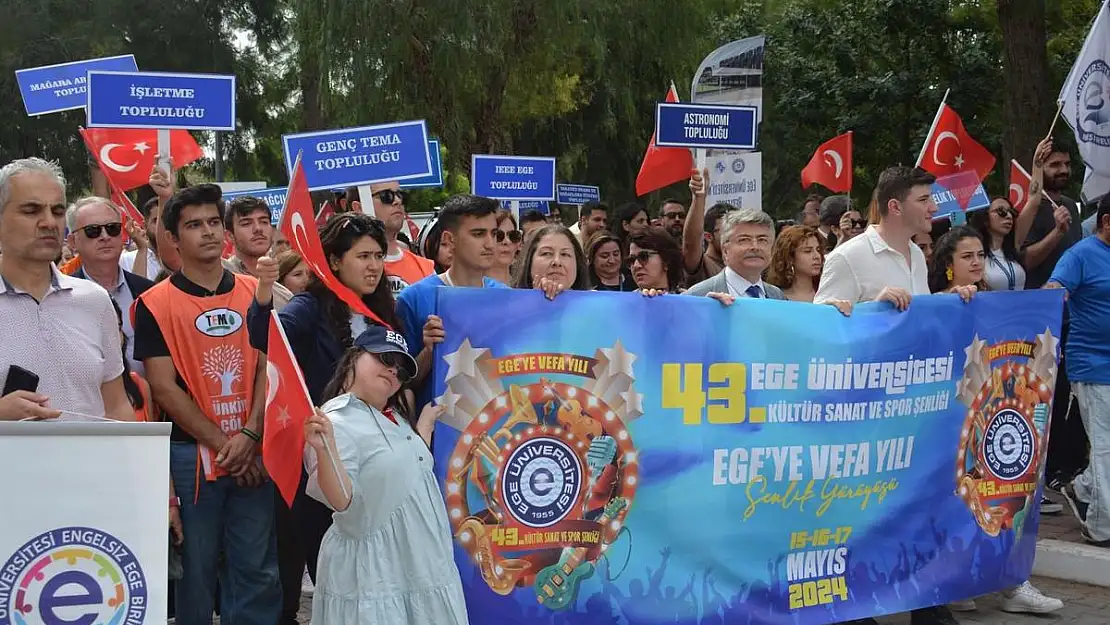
pixel 387 559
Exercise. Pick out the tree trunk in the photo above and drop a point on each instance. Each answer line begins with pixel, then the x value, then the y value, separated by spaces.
pixel 1028 99
pixel 312 114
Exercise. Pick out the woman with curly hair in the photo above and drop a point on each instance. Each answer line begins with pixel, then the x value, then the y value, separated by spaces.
pixel 796 263
pixel 958 260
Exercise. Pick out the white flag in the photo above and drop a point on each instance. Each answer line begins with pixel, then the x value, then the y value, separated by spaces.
pixel 1086 99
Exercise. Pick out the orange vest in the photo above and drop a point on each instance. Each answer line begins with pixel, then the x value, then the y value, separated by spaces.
pixel 207 338
pixel 409 269
pixel 143 414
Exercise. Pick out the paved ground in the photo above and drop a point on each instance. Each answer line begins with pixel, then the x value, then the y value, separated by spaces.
pixel 1083 605
pixel 1063 526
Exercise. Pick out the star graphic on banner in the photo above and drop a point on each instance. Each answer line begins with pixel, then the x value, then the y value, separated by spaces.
pixel 449 400
pixel 974 351
pixel 959 162
pixel 1046 346
pixel 462 361
pixel 620 361
pixel 633 404
pixel 141 147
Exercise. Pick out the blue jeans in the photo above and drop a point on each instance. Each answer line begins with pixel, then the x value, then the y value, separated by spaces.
pixel 232 522
pixel 1093 484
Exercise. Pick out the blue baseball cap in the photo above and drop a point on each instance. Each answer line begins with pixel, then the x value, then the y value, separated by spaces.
pixel 379 340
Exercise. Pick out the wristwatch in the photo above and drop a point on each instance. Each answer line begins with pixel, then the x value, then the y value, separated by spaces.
pixel 175 502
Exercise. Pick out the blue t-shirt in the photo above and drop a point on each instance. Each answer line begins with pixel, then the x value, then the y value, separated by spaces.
pixel 1084 270
pixel 414 304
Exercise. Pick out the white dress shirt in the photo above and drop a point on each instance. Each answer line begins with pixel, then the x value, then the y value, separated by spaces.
pixel 860 269
pixel 153 267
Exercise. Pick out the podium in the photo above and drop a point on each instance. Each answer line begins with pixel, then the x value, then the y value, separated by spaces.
pixel 84 522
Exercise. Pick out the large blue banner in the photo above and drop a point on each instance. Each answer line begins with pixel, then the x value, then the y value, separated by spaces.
pixel 610 458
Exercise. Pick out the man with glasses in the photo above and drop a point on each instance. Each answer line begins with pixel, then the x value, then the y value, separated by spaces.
pixel 749 235
pixel 96 235
pixel 402 266
pixel 673 214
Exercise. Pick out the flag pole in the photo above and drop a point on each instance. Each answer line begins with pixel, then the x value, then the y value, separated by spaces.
pixel 1055 118
pixel 936 120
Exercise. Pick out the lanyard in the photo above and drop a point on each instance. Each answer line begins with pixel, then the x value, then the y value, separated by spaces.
pixel 1007 269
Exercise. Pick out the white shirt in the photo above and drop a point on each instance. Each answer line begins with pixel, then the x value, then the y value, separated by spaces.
pixel 860 269
pixel 153 267
pixel 121 293
pixel 738 285
pixel 1003 274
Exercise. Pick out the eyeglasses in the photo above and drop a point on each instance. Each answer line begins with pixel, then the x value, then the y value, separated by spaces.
pixel 674 215
pixel 93 231
pixel 387 196
pixel 643 256
pixel 396 362
pixel 513 235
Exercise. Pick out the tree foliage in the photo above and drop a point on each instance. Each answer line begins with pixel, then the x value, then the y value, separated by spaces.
pixel 577 79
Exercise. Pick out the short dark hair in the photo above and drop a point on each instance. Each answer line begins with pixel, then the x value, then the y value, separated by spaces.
pixel 895 183
pixel 197 195
pixel 661 242
pixel 714 214
pixel 148 207
pixel 833 208
pixel 589 207
pixel 532 216
pixel 465 205
pixel 1102 212
pixel 671 200
pixel 243 206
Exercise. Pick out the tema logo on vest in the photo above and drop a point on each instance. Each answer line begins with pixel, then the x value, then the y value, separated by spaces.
pixel 72 575
pixel 219 322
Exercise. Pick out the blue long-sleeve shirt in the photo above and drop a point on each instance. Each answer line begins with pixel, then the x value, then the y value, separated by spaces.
pixel 316 349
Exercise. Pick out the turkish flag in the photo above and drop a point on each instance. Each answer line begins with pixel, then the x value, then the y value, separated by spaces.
pixel 1019 185
pixel 949 149
pixel 831 165
pixel 306 241
pixel 663 166
pixel 120 199
pixel 287 409
pixel 127 155
pixel 326 211
pixel 414 232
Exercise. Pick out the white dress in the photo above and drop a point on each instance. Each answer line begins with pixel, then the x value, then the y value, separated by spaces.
pixel 387 559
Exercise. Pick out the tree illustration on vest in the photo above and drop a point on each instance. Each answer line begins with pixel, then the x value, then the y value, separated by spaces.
pixel 224 364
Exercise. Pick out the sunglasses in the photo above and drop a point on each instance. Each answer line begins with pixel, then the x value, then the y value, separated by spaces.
pixel 1005 212
pixel 361 222
pixel 674 215
pixel 514 236
pixel 113 230
pixel 643 256
pixel 387 196
pixel 859 223
pixel 396 362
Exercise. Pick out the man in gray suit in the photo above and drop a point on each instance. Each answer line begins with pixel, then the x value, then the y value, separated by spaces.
pixel 747 235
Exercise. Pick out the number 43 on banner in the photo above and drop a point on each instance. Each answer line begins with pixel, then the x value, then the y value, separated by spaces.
pixel 724 401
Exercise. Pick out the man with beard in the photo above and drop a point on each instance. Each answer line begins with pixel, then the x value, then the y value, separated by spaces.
pixel 402 267
pixel 1049 231
pixel 247 223
pixel 673 215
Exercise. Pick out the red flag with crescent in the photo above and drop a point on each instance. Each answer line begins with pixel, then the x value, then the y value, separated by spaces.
pixel 949 149
pixel 127 155
pixel 287 408
pixel 831 165
pixel 298 224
